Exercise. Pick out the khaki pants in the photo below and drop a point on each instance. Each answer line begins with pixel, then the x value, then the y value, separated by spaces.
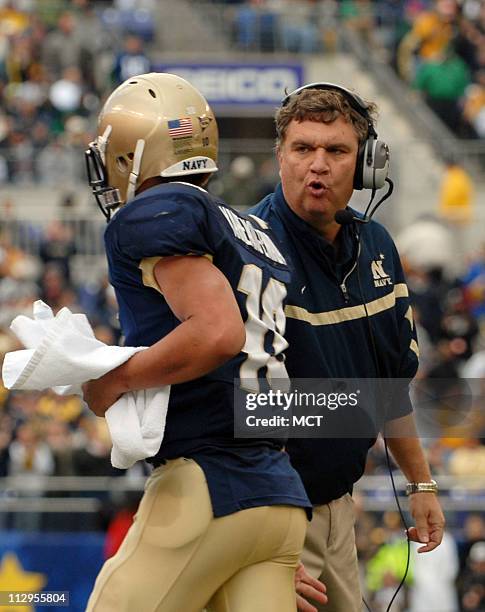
pixel 330 555
pixel 177 557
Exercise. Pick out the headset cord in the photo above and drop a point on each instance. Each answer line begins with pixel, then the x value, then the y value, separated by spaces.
pixel 403 520
pixel 388 461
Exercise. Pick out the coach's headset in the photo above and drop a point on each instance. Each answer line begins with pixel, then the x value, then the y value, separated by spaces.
pixel 372 165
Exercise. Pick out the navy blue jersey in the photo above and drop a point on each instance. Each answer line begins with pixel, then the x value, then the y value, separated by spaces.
pixel 328 329
pixel 182 219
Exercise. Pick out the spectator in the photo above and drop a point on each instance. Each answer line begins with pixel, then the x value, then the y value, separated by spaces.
pixel 359 15
pixel 456 197
pixel 300 31
pixel 57 248
pixel 6 437
pixel 459 326
pixel 53 287
pixel 62 46
pixel 246 25
pixel 430 36
pixel 29 454
pixel 92 456
pixel 240 186
pixel 98 301
pixel 132 61
pixel 474 105
pixel 65 94
pixel 473 282
pixel 59 408
pixel 443 79
pixel 12 20
pixel 57 165
pixel 386 568
pixel 433 588
pixel 31 459
pixel 59 439
pixel 473 531
pixel 20 162
pixel 469 459
pixel 472 582
pixel 427 244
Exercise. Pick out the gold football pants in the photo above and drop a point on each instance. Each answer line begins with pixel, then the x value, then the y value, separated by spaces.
pixel 177 557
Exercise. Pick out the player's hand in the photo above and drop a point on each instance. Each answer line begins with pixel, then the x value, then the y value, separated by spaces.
pixel 430 522
pixel 308 587
pixel 100 394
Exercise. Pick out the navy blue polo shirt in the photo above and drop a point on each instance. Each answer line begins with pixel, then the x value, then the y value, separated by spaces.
pixel 328 329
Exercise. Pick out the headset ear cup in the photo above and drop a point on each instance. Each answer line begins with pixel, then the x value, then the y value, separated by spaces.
pixel 381 164
pixel 375 164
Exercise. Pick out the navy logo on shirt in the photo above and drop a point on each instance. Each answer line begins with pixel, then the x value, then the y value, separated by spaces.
pixel 381 277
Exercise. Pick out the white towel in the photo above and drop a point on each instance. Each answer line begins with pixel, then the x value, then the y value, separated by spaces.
pixel 63 353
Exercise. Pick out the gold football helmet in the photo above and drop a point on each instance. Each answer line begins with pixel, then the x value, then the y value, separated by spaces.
pixel 155 124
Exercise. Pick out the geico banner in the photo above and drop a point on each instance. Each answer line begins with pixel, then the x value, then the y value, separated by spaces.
pixel 240 84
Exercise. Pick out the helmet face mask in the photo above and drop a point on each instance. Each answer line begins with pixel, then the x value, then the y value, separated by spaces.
pixel 153 125
pixel 107 198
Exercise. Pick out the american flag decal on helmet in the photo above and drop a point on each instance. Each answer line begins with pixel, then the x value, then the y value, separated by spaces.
pixel 180 128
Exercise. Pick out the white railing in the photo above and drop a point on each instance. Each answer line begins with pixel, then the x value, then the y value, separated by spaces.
pixel 464 493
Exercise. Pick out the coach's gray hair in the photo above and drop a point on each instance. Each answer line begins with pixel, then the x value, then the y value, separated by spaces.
pixel 322 106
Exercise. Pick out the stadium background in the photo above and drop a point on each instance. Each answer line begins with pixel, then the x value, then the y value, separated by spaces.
pixel 63 508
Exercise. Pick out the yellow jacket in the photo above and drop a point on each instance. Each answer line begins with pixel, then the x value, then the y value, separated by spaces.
pixel 456 197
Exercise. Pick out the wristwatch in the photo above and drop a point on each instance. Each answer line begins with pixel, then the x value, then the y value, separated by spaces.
pixel 421 487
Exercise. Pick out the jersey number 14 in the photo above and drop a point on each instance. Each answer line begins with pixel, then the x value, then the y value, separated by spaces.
pixel 265 314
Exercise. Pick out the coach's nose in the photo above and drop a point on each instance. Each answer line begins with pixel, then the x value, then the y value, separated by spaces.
pixel 320 161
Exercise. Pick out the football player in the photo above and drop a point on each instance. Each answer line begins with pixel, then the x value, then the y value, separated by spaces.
pixel 222 520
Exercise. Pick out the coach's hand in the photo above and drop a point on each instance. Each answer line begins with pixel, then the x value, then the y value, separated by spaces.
pixel 430 522
pixel 308 587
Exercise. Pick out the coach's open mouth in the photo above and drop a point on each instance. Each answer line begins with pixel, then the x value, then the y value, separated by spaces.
pixel 317 188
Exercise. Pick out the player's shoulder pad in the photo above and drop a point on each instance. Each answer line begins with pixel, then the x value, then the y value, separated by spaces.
pixel 169 219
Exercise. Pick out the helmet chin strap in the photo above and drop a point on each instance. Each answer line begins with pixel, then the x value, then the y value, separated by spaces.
pixel 135 169
pixel 103 142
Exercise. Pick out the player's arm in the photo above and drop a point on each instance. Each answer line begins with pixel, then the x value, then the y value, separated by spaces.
pixel 210 333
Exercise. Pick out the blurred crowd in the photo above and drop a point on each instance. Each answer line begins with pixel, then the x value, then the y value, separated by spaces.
pixel 57 60
pixel 436 46
pixel 443 56
pixel 451 579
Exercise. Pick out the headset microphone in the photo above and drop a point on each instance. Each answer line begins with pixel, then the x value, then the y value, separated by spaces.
pixel 346 216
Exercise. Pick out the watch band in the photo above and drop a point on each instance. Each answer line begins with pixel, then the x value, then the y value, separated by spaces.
pixel 421 487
